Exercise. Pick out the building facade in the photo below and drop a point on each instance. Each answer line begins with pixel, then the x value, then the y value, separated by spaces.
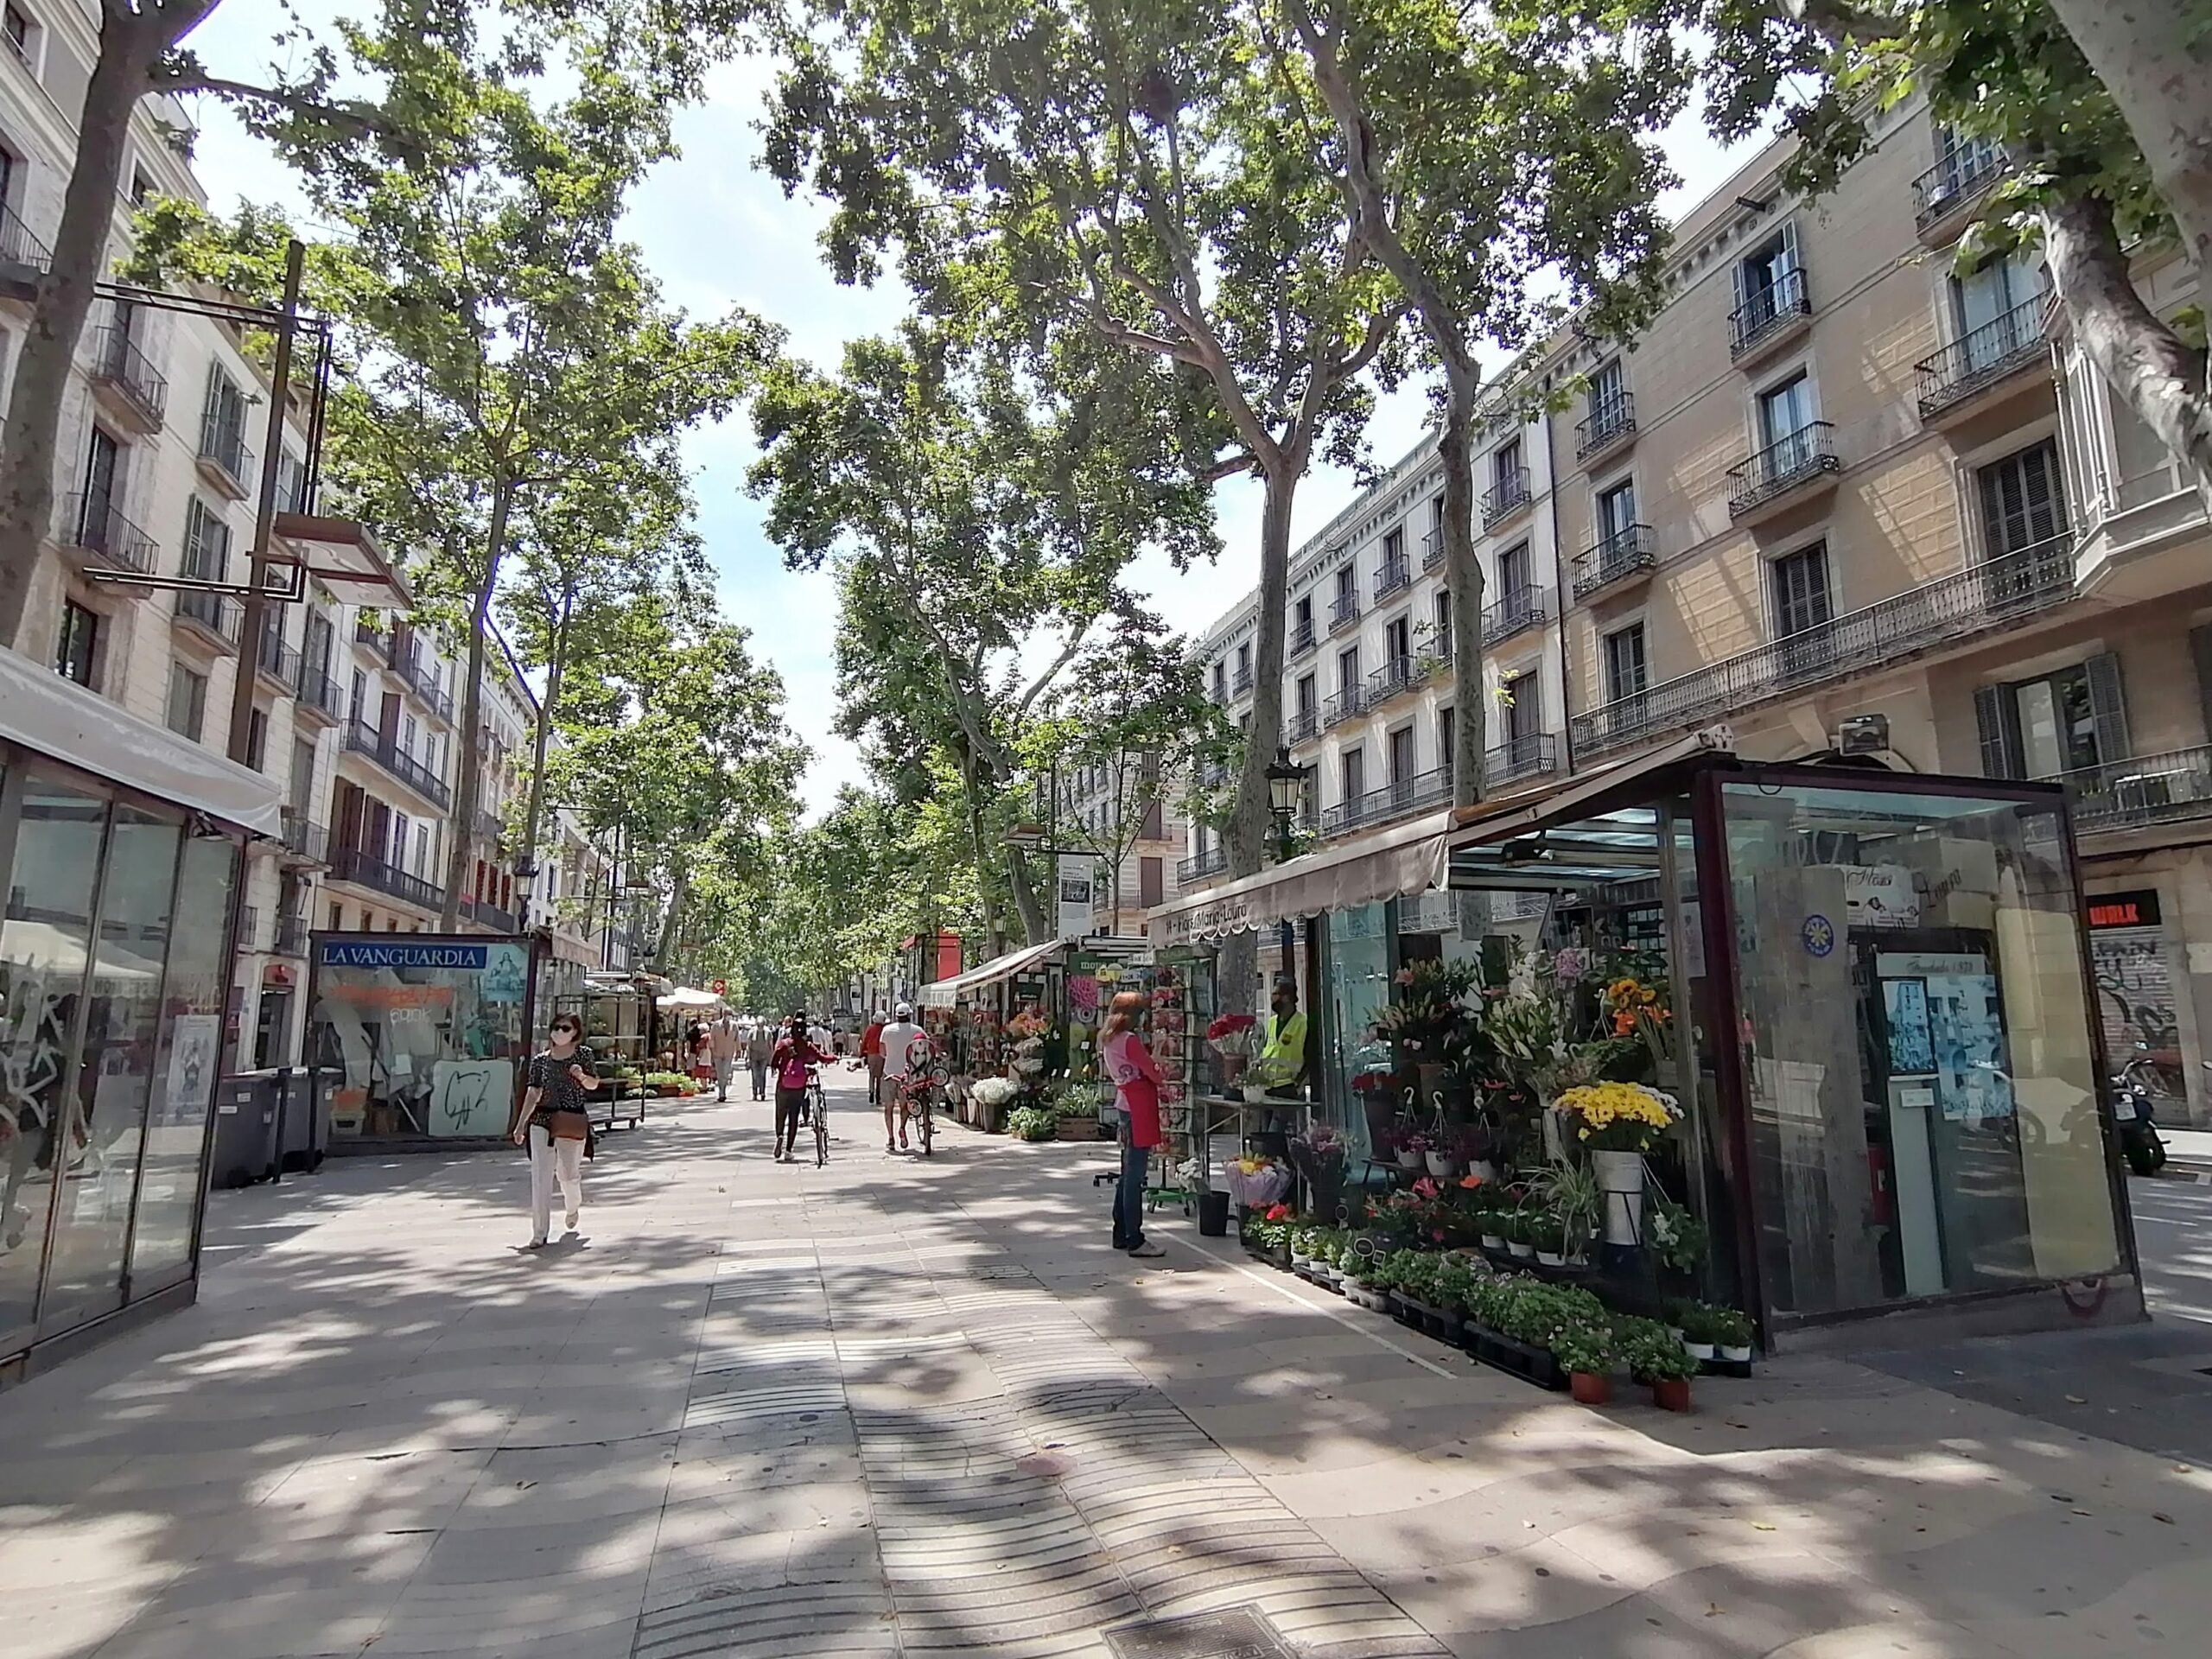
pixel 1123 809
pixel 1847 500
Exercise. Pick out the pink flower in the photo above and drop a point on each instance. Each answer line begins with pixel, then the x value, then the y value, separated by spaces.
pixel 1404 976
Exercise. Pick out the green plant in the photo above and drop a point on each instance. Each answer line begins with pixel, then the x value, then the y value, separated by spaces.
pixel 1731 1327
pixel 1697 1321
pixel 1673 1232
pixel 1544 1230
pixel 1651 1352
pixel 1417 1277
pixel 1584 1347
pixel 1570 1190
pixel 1033 1122
pixel 1456 1283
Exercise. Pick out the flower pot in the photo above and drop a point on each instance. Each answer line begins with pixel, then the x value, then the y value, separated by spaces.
pixel 1485 1170
pixel 1525 1251
pixel 1493 1241
pixel 1620 1184
pixel 1589 1388
pixel 1551 1259
pixel 1410 1159
pixel 1213 1215
pixel 1698 1351
pixel 1440 1166
pixel 1671 1393
pixel 1735 1356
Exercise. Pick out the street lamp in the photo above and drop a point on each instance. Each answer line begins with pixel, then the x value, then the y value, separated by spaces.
pixel 1286 785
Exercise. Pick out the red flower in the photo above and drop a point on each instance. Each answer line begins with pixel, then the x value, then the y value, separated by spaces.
pixel 1279 1212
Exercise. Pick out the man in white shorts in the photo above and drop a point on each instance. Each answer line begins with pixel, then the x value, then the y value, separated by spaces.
pixel 903 1042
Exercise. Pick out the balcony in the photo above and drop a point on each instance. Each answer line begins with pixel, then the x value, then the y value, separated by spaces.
pixel 1525 607
pixel 1302 726
pixel 1612 422
pixel 1394 679
pixel 213 618
pixel 291 937
pixel 1980 359
pixel 1240 682
pixel 2142 790
pixel 276 663
pixel 126 381
pixel 377 640
pixel 224 460
pixel 1432 551
pixel 1991 594
pixel 248 928
pixel 1535 755
pixel 1302 639
pixel 1631 551
pixel 21 253
pixel 489 826
pixel 413 672
pixel 1770 316
pixel 1346 705
pixel 1506 497
pixel 363 870
pixel 367 740
pixel 316 693
pixel 1434 657
pixel 1344 613
pixel 1942 195
pixel 1197 867
pixel 96 529
pixel 1396 577
pixel 1420 793
pixel 491 915
pixel 1782 470
pixel 305 841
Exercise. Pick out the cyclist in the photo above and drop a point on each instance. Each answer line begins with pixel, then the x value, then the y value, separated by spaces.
pixel 795 1053
pixel 905 1044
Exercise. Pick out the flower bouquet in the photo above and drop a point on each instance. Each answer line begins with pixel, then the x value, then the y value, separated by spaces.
pixel 1256 1183
pixel 1319 1156
pixel 1230 1037
pixel 1618 1116
pixel 1027 1024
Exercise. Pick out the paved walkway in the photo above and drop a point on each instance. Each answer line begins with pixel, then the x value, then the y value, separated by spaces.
pixel 894 1407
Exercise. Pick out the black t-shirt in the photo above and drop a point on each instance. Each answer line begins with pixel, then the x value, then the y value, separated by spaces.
pixel 559 1092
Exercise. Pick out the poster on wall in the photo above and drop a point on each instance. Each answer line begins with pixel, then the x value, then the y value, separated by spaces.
pixel 193 1040
pixel 1079 876
pixel 506 973
pixel 1966 1031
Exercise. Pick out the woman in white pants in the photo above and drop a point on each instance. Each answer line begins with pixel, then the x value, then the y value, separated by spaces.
pixel 556 1127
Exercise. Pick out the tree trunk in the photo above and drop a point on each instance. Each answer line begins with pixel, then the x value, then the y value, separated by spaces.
pixel 672 918
pixel 64 299
pixel 1463 573
pixel 1237 974
pixel 2157 375
pixel 471 780
pixel 1036 925
pixel 555 670
pixel 2155 58
pixel 992 931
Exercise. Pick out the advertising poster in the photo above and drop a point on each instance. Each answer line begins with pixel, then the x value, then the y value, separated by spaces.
pixel 1966 1031
pixel 1078 876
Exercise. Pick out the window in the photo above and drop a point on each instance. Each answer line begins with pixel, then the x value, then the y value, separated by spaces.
pixel 1221 681
pixel 1154 826
pixel 1394 549
pixel 1403 766
pixel 1447 737
pixel 1608 395
pixel 1800 590
pixel 1348 670
pixel 2058 722
pixel 1355 774
pixel 187 707
pixel 1982 305
pixel 1505 468
pixel 17 25
pixel 1152 881
pixel 2022 504
pixel 1397 643
pixel 1347 588
pixel 257 738
pixel 1616 514
pixel 1309 698
pixel 1768 283
pixel 1513 564
pixel 222 423
pixel 1524 708
pixel 142 187
pixel 103 458
pixel 1244 664
pixel 422 849
pixel 302 776
pixel 360 697
pixel 1302 628
pixel 1440 620
pixel 75 654
pixel 1625 664
pixel 1784 412
pixel 1964 162
pixel 338 919
pixel 207 541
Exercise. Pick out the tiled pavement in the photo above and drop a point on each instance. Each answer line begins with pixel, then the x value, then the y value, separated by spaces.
pixel 898 1408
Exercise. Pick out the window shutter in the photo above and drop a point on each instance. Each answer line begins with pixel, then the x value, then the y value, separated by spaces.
pixel 2001 753
pixel 2109 709
pixel 1788 260
pixel 2200 650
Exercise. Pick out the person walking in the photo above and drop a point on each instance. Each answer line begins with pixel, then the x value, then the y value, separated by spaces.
pixel 759 1050
pixel 1137 1078
pixel 796 1052
pixel 898 1044
pixel 555 1124
pixel 872 1056
pixel 725 1041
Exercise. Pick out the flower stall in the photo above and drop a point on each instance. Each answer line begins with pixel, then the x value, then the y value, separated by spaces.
pixel 1783 1047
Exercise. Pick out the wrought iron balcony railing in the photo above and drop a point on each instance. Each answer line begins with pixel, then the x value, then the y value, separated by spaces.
pixel 1630 551
pixel 1770 313
pixel 1387 682
pixel 304 839
pixel 1781 467
pixel 1418 793
pixel 118 362
pixel 316 691
pixel 1432 549
pixel 367 740
pixel 1981 357
pixel 1396 574
pixel 361 868
pixel 409 663
pixel 1301 725
pixel 216 612
pixel 94 524
pixel 1302 639
pixel 1523 608
pixel 1954 182
pixel 1344 611
pixel 291 937
pixel 225 452
pixel 18 246
pixel 1240 682
pixel 1993 594
pixel 1610 420
pixel 1506 497
pixel 1347 704
pixel 486 914
pixel 272 657
pixel 1199 865
pixel 2145 788
pixel 1529 756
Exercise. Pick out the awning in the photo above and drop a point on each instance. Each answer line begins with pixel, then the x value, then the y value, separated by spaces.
pixel 686 997
pixel 944 993
pixel 56 716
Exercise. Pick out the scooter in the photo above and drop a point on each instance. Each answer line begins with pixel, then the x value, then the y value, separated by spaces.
pixel 2130 1114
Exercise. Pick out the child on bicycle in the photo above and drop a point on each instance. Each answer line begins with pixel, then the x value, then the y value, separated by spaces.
pixel 795 1051
pixel 906 1052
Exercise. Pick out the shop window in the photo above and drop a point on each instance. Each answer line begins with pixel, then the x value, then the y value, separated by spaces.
pixel 2069 721
pixel 77 651
pixel 1921 1088
pixel 187 704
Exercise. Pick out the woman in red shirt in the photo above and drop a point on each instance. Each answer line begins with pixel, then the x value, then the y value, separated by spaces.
pixel 1137 1078
pixel 794 1052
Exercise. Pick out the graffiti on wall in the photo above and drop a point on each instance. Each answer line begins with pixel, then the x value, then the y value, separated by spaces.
pixel 2135 992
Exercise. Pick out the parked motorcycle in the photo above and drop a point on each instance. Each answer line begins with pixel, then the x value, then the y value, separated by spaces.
pixel 2130 1114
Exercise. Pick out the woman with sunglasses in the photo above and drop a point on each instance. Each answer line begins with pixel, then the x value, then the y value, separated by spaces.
pixel 555 1123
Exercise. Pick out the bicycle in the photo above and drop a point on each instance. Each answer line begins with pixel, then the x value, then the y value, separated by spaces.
pixel 817 1111
pixel 931 1082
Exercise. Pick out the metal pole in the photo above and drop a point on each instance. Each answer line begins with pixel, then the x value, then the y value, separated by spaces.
pixel 257 604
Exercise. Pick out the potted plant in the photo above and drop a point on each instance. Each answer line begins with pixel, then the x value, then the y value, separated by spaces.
pixel 1033 1122
pixel 1515 1223
pixel 1732 1337
pixel 1546 1233
pixel 1654 1357
pixel 1696 1321
pixel 1486 1209
pixel 1455 1286
pixel 992 1096
pixel 1677 1237
pixel 1411 1147
pixel 1585 1352
pixel 1319 1156
pixel 1617 1123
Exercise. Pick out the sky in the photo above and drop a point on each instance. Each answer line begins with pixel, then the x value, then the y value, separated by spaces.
pixel 718 232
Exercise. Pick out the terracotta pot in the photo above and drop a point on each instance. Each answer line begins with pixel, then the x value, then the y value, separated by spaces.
pixel 1589 1388
pixel 1671 1393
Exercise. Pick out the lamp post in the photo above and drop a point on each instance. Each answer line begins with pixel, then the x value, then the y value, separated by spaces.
pixel 1285 786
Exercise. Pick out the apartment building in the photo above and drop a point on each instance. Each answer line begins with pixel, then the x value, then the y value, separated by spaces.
pixel 1838 491
pixel 1123 807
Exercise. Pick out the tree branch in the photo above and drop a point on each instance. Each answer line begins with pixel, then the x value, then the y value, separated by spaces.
pixel 358 119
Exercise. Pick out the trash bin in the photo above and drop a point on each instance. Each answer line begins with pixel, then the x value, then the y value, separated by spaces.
pixel 1213 1215
pixel 245 1129
pixel 304 1115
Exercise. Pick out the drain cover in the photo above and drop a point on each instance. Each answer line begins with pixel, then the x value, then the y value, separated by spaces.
pixel 1242 1633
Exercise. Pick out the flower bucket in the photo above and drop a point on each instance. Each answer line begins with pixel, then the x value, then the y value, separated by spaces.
pixel 1525 1251
pixel 1493 1241
pixel 1671 1393
pixel 1698 1351
pixel 1410 1159
pixel 1213 1215
pixel 1620 1184
pixel 1551 1259
pixel 1440 1166
pixel 1735 1356
pixel 1589 1388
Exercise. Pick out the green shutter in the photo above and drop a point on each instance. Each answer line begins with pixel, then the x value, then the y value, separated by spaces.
pixel 2001 753
pixel 2109 709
